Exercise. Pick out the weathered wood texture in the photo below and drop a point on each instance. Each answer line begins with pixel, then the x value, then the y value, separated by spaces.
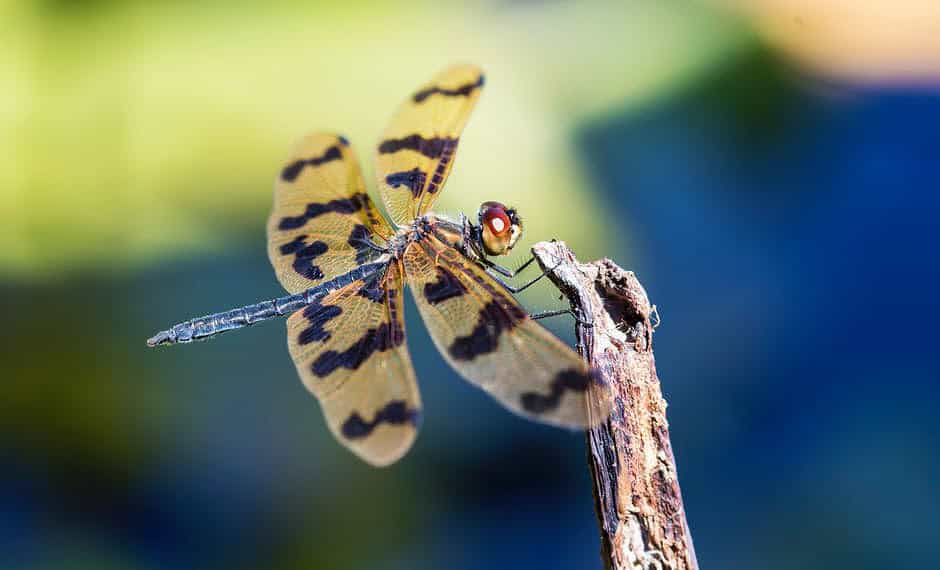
pixel 636 489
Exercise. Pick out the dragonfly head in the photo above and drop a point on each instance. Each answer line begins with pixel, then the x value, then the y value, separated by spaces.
pixel 500 228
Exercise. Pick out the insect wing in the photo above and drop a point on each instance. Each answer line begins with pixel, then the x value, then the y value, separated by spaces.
pixel 323 223
pixel 350 351
pixel 417 149
pixel 486 335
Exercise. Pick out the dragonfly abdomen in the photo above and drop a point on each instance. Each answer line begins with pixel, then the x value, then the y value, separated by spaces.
pixel 217 323
pixel 209 325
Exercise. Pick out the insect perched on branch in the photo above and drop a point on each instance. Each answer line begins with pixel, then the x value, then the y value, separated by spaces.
pixel 346 266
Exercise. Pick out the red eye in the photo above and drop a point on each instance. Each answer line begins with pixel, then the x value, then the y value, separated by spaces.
pixel 496 220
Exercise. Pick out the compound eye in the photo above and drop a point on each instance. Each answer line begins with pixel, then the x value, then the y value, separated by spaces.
pixel 497 221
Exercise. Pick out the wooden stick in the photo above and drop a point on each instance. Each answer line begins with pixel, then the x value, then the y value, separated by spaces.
pixel 636 490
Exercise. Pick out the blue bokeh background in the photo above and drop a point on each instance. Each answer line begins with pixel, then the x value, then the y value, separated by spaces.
pixel 794 244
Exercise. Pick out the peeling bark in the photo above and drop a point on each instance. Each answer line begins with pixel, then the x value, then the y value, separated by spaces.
pixel 636 489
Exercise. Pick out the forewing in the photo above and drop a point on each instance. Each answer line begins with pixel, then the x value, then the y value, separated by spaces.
pixel 323 221
pixel 486 335
pixel 417 150
pixel 350 351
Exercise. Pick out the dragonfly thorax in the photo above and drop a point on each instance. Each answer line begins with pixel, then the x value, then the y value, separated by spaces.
pixel 497 232
pixel 454 233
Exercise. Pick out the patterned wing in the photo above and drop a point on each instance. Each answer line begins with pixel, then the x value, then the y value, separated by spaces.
pixel 323 223
pixel 349 348
pixel 488 338
pixel 417 149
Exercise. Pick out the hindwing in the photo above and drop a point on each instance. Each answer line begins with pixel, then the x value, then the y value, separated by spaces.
pixel 349 349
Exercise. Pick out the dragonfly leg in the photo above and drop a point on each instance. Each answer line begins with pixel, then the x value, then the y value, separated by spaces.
pixel 518 289
pixel 556 312
pixel 524 286
pixel 489 265
pixel 507 272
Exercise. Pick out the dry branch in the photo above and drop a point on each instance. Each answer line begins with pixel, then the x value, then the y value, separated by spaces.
pixel 636 490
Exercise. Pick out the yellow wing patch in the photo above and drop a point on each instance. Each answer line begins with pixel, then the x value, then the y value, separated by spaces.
pixel 417 149
pixel 483 332
pixel 323 223
pixel 350 352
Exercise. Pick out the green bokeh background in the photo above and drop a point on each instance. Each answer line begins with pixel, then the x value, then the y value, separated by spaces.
pixel 139 131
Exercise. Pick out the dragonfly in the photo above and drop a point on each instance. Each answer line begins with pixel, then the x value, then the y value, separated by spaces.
pixel 345 266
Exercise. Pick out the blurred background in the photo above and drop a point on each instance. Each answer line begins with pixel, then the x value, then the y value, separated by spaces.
pixel 769 168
